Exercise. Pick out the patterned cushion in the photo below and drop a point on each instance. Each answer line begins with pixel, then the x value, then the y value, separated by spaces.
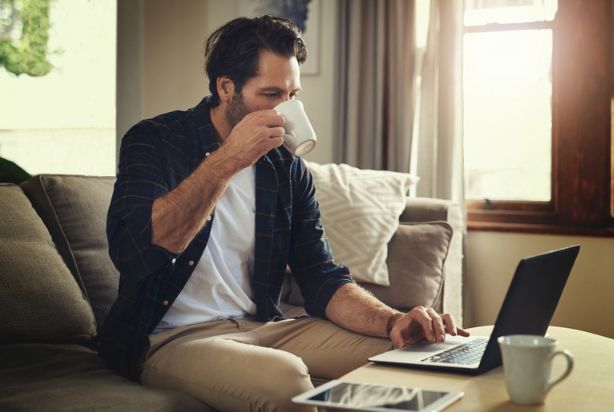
pixel 360 214
pixel 41 302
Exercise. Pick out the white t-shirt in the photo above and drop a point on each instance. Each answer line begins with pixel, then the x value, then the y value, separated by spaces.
pixel 220 286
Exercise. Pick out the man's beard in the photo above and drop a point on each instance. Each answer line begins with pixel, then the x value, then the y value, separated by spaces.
pixel 236 110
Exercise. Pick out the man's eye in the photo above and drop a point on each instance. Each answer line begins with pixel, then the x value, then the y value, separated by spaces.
pixel 271 95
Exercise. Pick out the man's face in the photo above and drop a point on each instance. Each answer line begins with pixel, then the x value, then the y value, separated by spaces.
pixel 278 80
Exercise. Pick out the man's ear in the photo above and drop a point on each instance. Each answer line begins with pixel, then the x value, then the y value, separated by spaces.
pixel 225 88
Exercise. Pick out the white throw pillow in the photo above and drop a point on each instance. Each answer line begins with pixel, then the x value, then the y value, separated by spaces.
pixel 360 214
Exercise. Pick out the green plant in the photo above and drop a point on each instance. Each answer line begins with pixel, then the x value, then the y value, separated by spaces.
pixel 10 172
pixel 24 52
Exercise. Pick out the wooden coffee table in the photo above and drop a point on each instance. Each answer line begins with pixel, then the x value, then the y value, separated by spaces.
pixel 590 387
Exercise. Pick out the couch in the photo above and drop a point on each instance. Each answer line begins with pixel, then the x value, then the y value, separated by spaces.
pixel 57 284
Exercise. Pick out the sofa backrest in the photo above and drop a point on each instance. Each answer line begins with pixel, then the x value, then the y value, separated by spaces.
pixel 41 302
pixel 74 208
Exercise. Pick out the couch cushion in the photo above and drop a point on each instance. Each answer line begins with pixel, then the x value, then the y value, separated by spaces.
pixel 416 255
pixel 360 213
pixel 40 377
pixel 74 209
pixel 41 302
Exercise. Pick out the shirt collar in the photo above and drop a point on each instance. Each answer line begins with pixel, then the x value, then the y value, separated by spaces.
pixel 202 116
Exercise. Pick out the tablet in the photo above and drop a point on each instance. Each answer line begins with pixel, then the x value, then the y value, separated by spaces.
pixel 378 398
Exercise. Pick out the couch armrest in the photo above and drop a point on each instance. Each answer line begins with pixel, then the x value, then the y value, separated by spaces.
pixel 428 210
pixel 423 209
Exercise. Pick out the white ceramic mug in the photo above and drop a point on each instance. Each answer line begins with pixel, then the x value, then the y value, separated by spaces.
pixel 300 138
pixel 527 361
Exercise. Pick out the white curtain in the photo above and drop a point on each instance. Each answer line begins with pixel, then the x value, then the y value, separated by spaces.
pixel 399 96
pixel 375 73
pixel 438 147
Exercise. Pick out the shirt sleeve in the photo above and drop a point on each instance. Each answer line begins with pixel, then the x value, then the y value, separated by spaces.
pixel 311 259
pixel 140 180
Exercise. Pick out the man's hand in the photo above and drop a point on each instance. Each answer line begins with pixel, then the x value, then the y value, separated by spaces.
pixel 254 136
pixel 422 324
pixel 180 214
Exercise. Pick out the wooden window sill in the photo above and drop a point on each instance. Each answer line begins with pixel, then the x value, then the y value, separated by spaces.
pixel 538 228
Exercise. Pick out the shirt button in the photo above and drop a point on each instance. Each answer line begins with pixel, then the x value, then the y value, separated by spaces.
pixel 209 218
pixel 191 263
pixel 207 154
pixel 173 260
pixel 165 302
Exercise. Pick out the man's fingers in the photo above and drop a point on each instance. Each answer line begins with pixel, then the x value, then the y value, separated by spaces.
pixel 425 324
pixel 439 330
pixel 413 332
pixel 266 118
pixel 277 132
pixel 270 118
pixel 448 320
pixel 451 327
pixel 275 120
pixel 277 141
pixel 421 315
pixel 263 113
pixel 462 332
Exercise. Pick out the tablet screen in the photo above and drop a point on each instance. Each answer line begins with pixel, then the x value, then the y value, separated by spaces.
pixel 365 396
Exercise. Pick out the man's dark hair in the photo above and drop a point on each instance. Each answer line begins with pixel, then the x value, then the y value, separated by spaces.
pixel 233 49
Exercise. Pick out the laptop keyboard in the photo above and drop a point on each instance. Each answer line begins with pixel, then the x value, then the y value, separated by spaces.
pixel 464 354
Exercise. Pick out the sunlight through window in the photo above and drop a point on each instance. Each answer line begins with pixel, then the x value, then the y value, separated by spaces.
pixel 64 121
pixel 507 101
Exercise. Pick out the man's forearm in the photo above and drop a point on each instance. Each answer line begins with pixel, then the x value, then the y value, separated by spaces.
pixel 181 213
pixel 354 308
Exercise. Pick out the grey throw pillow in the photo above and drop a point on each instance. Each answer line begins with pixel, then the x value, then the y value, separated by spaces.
pixel 41 302
pixel 74 209
pixel 416 255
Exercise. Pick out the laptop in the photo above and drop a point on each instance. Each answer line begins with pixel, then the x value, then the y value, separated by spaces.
pixel 527 309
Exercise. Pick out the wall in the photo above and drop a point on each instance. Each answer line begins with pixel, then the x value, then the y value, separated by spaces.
pixel 586 304
pixel 318 90
pixel 160 63
pixel 173 47
pixel 129 88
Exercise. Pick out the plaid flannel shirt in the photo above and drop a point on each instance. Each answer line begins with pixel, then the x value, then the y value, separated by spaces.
pixel 155 156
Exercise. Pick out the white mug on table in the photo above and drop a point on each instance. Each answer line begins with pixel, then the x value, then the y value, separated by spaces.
pixel 527 361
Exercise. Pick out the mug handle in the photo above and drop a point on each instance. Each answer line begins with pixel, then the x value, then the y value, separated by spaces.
pixel 569 357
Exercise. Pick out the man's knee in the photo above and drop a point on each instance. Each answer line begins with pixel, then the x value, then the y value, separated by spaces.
pixel 286 377
pixel 266 379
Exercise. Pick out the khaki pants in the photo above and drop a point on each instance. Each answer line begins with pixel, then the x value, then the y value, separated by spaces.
pixel 243 365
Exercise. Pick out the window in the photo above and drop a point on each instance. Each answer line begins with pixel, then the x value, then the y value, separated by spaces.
pixel 62 119
pixel 537 102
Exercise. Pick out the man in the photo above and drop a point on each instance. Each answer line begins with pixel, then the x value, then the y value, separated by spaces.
pixel 208 210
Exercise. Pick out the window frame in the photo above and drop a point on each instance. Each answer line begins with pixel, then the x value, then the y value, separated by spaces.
pixel 582 187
